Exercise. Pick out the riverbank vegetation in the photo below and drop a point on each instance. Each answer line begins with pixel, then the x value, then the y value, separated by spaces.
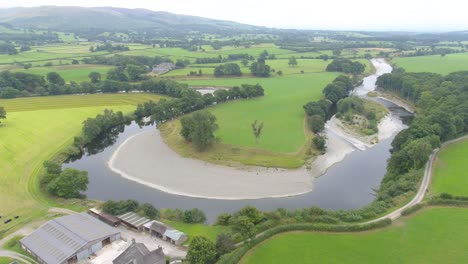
pixel 360 115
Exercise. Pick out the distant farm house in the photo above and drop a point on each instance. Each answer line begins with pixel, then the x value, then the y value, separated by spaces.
pixel 163 68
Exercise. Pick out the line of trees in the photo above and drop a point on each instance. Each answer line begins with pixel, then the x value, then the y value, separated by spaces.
pixel 318 112
pixel 123 60
pixel 187 100
pixel 109 47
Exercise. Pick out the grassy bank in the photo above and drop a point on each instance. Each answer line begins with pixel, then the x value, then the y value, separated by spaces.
pixel 450 170
pixel 434 235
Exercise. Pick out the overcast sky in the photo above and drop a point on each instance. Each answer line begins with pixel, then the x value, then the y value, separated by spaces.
pixel 410 15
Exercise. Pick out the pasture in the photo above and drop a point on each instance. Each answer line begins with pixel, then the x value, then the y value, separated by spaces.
pixel 438 64
pixel 30 136
pixel 280 110
pixel 450 170
pixel 434 235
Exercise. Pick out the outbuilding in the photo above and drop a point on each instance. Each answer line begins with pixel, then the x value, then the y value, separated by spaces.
pixel 175 237
pixel 133 220
pixel 69 239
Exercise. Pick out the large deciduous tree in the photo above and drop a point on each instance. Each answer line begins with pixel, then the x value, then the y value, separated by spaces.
pixel 69 183
pixel 201 251
pixel 199 128
pixel 95 77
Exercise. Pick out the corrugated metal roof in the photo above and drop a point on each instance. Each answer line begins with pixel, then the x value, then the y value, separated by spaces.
pixel 61 238
pixel 174 234
pixel 134 219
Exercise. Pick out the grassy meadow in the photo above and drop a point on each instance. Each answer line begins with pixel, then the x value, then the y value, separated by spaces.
pixel 30 136
pixel 434 235
pixel 193 230
pixel 438 64
pixel 450 170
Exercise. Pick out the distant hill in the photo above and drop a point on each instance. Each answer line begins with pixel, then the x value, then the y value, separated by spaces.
pixel 110 18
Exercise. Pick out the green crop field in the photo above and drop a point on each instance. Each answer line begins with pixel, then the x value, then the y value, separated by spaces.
pixel 438 64
pixel 76 73
pixel 435 235
pixel 450 171
pixel 280 110
pixel 27 138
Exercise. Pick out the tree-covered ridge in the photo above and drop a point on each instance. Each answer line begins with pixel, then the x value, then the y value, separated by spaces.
pixel 442 103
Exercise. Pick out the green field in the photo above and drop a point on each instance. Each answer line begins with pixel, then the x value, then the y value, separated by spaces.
pixel 450 171
pixel 280 110
pixel 209 231
pixel 438 64
pixel 435 235
pixel 77 73
pixel 28 137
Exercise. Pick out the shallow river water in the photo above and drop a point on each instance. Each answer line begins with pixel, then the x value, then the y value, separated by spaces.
pixel 348 184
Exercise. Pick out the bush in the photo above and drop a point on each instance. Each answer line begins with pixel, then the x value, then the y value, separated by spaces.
pixel 194 216
pixel 412 209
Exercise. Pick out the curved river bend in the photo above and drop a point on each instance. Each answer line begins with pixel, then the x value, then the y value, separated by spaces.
pixel 348 184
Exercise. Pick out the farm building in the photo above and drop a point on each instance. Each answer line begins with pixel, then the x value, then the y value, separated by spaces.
pixel 107 218
pixel 133 220
pixel 161 230
pixel 155 228
pixel 69 239
pixel 163 67
pixel 138 253
pixel 175 237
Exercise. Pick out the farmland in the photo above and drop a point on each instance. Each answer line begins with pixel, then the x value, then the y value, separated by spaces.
pixel 407 241
pixel 30 136
pixel 450 170
pixel 438 64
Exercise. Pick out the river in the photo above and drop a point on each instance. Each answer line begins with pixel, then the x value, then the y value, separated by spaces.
pixel 348 184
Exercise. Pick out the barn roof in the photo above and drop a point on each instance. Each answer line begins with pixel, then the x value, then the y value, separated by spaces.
pixel 134 219
pixel 61 238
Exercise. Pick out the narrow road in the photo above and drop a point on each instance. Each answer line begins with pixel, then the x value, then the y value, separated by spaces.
pixel 424 185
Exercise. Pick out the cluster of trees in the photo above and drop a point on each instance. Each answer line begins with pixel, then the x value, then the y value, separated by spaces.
pixel 3 113
pixel 129 72
pixel 260 68
pixel 204 251
pixel 96 127
pixel 209 60
pixel 199 129
pixel 338 89
pixel 348 107
pixel 124 206
pixel 191 216
pixel 228 69
pixel 122 61
pixel 443 115
pixel 65 184
pixel 346 66
pixel 109 47
pixel 8 48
